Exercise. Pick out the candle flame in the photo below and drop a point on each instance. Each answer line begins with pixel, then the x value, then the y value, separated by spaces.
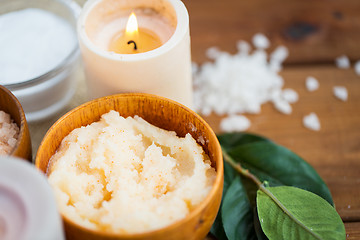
pixel 132 25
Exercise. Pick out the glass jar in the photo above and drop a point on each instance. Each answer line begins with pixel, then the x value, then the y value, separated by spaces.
pixel 45 95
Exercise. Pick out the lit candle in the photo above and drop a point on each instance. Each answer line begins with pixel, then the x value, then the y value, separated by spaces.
pixel 150 56
pixel 134 40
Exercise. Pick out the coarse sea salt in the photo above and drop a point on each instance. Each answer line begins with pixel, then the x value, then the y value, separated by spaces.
pixel 9 132
pixel 311 84
pixel 341 93
pixel 235 123
pixel 241 83
pixel 312 122
pixel 260 41
pixel 342 62
pixel 357 67
pixel 32 42
pixel 290 95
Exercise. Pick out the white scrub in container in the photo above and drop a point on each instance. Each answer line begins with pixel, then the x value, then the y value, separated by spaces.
pixel 124 175
pixel 32 43
pixel 38 55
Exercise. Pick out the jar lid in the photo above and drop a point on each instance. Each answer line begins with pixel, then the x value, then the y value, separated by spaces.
pixel 27 204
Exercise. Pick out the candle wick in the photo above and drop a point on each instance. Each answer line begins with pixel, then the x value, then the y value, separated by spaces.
pixel 131 41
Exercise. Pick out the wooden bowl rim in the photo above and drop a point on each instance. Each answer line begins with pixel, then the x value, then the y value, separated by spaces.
pixel 212 194
pixel 20 111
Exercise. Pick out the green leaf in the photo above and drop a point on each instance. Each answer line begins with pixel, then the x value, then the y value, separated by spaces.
pixel 280 166
pixel 229 175
pixel 237 214
pixel 276 174
pixel 231 140
pixel 217 228
pixel 258 230
pixel 292 213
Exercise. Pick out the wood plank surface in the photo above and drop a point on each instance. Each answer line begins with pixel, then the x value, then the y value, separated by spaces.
pixel 352 230
pixel 314 31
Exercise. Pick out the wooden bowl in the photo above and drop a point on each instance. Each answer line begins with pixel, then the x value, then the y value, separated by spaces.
pixel 162 113
pixel 11 105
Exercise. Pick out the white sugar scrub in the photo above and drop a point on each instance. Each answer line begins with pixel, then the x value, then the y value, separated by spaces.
pixel 124 175
pixel 341 93
pixel 235 123
pixel 312 122
pixel 342 62
pixel 311 84
pixel 241 83
pixel 9 133
pixel 32 42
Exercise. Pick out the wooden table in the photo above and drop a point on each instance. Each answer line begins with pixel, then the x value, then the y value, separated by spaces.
pixel 316 32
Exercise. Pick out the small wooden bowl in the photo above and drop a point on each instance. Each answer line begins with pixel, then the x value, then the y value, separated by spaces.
pixel 163 113
pixel 11 105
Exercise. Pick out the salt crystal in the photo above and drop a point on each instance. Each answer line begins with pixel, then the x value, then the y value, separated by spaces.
pixel 194 67
pixel 201 140
pixel 193 128
pixel 234 123
pixel 12 142
pixel 213 53
pixel 9 132
pixel 206 111
pixel 311 84
pixel 243 47
pixel 340 92
pixel 357 67
pixel 240 83
pixel 342 62
pixel 282 106
pixel 4 117
pixel 290 95
pixel 312 122
pixel 260 41
pixel 275 66
pixel 279 54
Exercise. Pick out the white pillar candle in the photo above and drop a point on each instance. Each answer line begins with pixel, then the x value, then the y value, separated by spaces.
pixel 164 71
pixel 27 204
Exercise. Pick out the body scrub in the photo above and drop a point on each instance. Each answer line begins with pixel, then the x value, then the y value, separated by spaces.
pixel 124 175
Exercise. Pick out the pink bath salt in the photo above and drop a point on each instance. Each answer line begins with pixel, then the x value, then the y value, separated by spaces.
pixel 9 133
